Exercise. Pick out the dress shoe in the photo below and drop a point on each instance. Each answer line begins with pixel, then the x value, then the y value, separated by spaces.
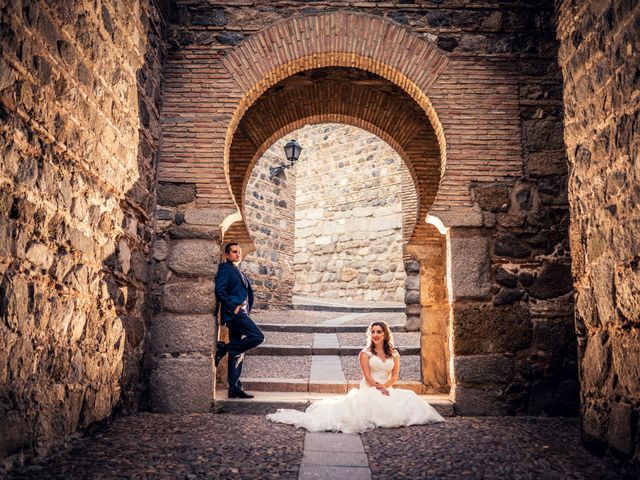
pixel 221 350
pixel 239 394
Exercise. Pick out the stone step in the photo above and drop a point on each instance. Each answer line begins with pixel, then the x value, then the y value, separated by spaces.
pixel 269 402
pixel 285 350
pixel 302 328
pixel 349 309
pixel 337 385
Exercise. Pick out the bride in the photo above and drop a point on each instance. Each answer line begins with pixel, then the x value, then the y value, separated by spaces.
pixel 375 403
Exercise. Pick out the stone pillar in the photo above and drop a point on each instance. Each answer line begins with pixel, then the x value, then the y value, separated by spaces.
pixel 477 373
pixel 183 332
pixel 433 316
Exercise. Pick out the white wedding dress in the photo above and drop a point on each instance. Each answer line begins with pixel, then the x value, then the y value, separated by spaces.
pixel 363 408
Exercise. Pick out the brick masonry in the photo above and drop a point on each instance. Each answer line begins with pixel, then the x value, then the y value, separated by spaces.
pixel 80 95
pixel 346 181
pixel 470 98
pixel 599 59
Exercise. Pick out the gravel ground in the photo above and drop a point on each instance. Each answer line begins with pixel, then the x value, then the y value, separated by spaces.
pixel 402 339
pixel 288 338
pixel 409 367
pixel 179 446
pixel 485 448
pixel 266 366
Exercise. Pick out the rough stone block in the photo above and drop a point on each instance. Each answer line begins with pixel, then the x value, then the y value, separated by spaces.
pixel 182 333
pixel 189 297
pixel 182 385
pixel 477 370
pixel 478 402
pixel 481 329
pixel 173 194
pixel 193 258
pixel 470 267
pixel 620 430
pixel 204 232
pixel 205 216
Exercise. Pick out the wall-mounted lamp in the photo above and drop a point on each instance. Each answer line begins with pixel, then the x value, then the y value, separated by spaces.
pixel 292 152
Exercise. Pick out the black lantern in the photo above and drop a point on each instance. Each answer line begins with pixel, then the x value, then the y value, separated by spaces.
pixel 292 152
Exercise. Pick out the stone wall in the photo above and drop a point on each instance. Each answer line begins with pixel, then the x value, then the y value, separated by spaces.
pixel 599 58
pixel 348 237
pixel 477 84
pixel 269 210
pixel 80 91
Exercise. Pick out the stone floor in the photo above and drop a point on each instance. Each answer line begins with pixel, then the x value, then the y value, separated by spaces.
pixel 225 446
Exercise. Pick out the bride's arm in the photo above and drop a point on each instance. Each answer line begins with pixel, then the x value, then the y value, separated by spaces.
pixel 366 372
pixel 393 378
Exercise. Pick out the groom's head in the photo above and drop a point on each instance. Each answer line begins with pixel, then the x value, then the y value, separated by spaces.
pixel 232 252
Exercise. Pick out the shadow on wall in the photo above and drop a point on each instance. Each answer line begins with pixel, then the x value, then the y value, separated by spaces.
pixel 77 187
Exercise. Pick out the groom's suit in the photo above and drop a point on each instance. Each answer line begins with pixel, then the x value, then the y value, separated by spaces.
pixel 232 290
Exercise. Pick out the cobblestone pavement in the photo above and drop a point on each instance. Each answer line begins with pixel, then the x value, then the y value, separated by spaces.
pixel 150 446
pixel 486 448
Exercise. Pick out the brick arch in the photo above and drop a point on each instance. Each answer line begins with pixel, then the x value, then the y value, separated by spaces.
pixel 336 39
pixel 341 95
pixel 410 223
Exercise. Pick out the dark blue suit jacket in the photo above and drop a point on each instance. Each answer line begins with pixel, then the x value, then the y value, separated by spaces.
pixel 231 291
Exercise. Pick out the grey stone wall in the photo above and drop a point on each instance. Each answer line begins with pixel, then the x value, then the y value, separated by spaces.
pixel 80 91
pixel 269 209
pixel 599 58
pixel 349 236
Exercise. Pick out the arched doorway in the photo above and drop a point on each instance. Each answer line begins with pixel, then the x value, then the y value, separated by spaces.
pixel 361 98
pixel 367 72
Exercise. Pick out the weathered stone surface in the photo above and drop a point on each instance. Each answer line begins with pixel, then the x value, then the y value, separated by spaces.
pixel 79 136
pixel 182 385
pixel 620 428
pixel 554 280
pixel 185 232
pixel 482 329
pixel 470 266
pixel 194 258
pixel 603 188
pixel 189 297
pixel 494 198
pixel 478 402
pixel 478 370
pixel 173 194
pixel 182 333
pixel 205 216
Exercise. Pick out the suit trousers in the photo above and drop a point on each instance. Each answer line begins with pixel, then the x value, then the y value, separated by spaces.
pixel 243 335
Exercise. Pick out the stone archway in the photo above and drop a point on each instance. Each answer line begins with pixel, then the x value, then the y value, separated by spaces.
pixel 209 142
pixel 363 99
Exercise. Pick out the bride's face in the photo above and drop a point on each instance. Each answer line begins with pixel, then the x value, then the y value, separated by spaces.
pixel 377 334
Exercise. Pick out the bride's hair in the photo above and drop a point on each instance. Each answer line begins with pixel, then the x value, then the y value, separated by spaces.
pixel 387 343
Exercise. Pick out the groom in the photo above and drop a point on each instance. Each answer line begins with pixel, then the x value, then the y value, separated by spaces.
pixel 235 298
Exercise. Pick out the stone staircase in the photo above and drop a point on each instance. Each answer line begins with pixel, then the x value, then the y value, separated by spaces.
pixel 313 354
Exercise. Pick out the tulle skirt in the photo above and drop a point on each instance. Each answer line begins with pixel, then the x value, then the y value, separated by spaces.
pixel 360 410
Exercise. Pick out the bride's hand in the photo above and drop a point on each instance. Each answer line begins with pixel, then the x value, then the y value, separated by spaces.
pixel 383 390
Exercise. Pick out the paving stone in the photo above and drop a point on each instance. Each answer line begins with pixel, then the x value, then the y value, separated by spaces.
pixel 333 442
pixel 323 472
pixel 277 367
pixel 340 459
